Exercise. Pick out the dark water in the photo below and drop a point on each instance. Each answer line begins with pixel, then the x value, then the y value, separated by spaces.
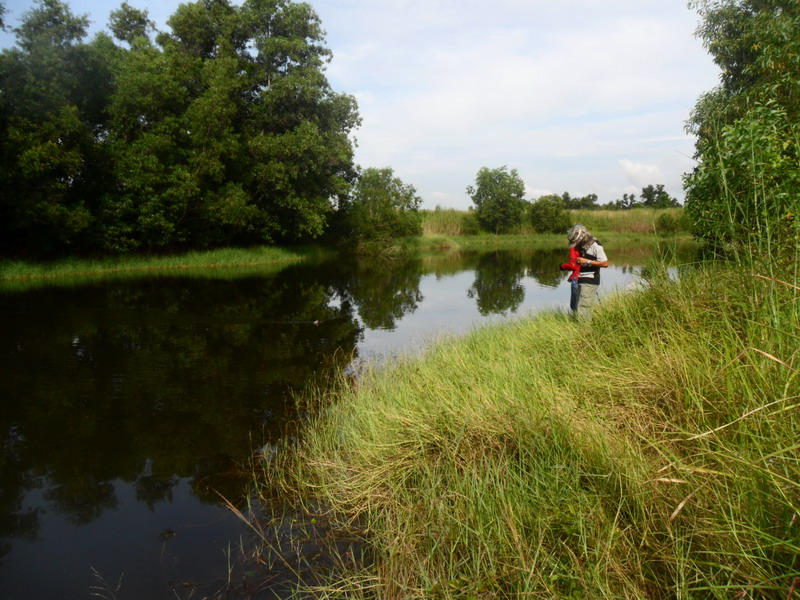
pixel 128 407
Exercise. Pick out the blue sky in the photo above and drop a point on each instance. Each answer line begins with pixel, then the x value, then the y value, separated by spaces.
pixel 583 96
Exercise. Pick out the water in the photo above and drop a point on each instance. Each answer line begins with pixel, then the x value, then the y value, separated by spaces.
pixel 127 408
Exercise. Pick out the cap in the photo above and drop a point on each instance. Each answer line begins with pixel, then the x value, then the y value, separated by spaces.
pixel 575 234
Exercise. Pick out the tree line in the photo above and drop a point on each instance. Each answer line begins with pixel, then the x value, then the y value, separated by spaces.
pixel 500 205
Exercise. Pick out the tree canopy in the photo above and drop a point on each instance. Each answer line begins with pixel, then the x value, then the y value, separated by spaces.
pixel 222 130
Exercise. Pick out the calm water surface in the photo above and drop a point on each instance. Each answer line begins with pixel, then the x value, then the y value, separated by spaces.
pixel 128 406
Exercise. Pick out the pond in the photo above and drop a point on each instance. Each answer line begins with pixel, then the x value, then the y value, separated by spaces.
pixel 128 406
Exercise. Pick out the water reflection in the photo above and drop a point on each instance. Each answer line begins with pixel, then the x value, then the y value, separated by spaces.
pixel 135 402
pixel 381 291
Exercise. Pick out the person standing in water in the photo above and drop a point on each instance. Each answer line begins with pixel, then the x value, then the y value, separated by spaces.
pixel 591 258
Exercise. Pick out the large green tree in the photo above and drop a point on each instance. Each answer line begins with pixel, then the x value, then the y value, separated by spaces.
pixel 499 198
pixel 227 129
pixel 744 190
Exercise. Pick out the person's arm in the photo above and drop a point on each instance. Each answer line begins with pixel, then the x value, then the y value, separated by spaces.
pixel 592 263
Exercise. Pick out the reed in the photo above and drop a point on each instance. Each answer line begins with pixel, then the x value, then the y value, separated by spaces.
pixel 651 453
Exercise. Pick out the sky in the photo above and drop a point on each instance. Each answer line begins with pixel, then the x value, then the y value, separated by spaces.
pixel 578 96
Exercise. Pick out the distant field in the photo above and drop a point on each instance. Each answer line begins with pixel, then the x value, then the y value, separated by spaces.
pixel 636 221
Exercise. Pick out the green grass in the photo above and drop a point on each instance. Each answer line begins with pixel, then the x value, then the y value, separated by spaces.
pixel 635 221
pixel 21 273
pixel 650 453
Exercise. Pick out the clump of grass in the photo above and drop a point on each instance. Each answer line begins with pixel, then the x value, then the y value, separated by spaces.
pixel 651 453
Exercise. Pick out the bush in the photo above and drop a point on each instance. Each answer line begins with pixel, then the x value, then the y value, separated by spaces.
pixel 470 224
pixel 548 215
pixel 666 224
pixel 381 209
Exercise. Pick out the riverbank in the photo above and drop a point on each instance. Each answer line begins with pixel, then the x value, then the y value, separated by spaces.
pixel 31 271
pixel 651 453
pixel 16 273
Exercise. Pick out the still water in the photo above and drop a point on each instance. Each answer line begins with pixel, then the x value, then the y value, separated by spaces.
pixel 127 407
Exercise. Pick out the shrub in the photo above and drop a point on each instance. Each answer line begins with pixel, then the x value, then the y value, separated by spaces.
pixel 666 224
pixel 380 209
pixel 548 215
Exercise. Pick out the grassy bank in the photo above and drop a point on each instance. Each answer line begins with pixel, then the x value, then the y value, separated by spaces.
pixel 651 453
pixel 443 230
pixel 11 271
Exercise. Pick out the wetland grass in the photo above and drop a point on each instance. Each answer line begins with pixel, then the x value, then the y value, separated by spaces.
pixel 15 274
pixel 651 453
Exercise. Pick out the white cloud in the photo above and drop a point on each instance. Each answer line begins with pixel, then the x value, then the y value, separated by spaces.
pixel 562 92
pixel 534 193
pixel 641 175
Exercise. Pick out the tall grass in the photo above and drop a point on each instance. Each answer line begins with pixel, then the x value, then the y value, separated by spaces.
pixel 636 220
pixel 639 221
pixel 651 453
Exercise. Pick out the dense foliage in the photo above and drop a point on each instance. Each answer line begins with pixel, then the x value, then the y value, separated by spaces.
pixel 746 185
pixel 380 209
pixel 548 215
pixel 223 130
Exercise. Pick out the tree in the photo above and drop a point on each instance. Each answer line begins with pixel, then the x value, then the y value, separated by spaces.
pixel 746 184
pixel 229 133
pixel 587 202
pixel 627 202
pixel 223 130
pixel 380 209
pixel 498 196
pixel 657 197
pixel 548 215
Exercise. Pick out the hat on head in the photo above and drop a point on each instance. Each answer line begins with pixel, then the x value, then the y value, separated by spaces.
pixel 575 234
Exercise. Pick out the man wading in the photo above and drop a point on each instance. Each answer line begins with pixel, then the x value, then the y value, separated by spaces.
pixel 591 258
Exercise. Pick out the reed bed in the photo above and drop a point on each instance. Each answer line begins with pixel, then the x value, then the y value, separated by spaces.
pixel 636 220
pixel 650 453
